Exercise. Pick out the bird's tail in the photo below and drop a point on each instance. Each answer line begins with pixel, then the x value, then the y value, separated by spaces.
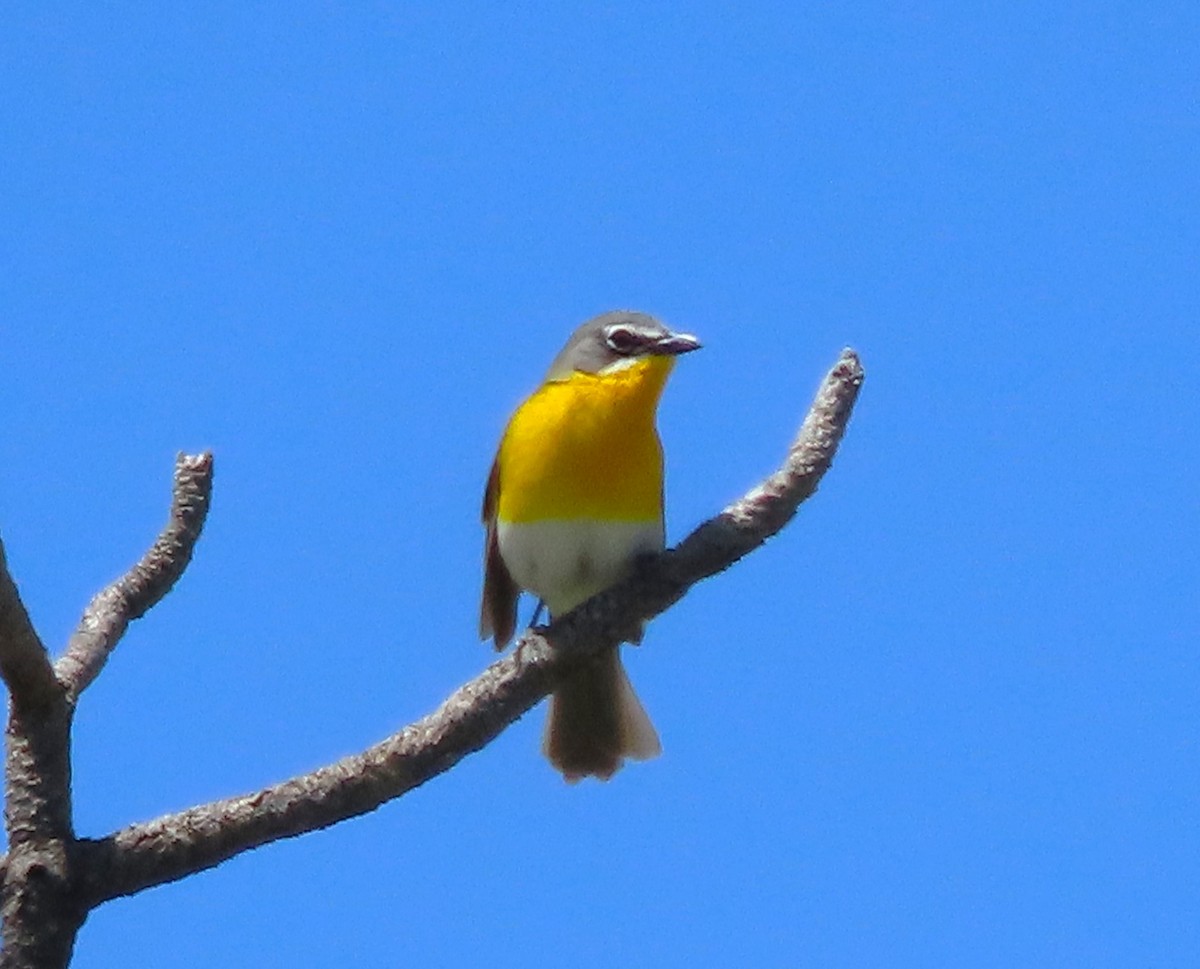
pixel 596 721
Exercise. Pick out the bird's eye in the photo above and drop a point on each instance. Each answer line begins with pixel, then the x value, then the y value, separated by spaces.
pixel 622 340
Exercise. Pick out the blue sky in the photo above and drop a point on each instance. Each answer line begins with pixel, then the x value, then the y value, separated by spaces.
pixel 948 717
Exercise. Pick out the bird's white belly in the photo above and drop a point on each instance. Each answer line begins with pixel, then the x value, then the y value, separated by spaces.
pixel 565 563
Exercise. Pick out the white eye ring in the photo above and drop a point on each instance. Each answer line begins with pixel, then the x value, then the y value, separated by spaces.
pixel 622 340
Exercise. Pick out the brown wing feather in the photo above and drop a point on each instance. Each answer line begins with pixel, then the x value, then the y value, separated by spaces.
pixel 498 607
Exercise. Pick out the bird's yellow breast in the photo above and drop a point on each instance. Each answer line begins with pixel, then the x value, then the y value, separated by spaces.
pixel 586 447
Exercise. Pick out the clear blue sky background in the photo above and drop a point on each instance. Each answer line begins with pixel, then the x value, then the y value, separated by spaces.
pixel 949 717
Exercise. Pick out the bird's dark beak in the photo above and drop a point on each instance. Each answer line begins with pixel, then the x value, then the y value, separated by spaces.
pixel 674 344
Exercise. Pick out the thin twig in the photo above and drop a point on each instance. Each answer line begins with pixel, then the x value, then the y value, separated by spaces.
pixel 174 846
pixel 24 664
pixel 109 614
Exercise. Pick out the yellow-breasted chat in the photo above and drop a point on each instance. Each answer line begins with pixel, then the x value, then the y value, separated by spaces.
pixel 575 495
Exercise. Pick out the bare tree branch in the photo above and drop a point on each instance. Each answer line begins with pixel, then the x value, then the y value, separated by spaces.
pixel 173 846
pixel 39 919
pixel 109 614
pixel 41 913
pixel 24 664
pixel 177 845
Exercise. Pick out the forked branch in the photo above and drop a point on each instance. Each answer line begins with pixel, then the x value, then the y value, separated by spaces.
pixel 41 901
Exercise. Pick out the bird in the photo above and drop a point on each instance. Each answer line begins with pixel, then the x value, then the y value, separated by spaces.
pixel 574 498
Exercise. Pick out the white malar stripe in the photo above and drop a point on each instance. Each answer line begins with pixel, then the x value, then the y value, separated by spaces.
pixel 621 363
pixel 567 562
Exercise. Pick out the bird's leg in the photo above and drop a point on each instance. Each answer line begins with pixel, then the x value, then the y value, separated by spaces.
pixel 541 605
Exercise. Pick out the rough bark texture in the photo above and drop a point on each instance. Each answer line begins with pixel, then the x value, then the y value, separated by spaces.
pixel 50 879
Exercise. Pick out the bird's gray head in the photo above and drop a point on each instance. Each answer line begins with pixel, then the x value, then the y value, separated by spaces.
pixel 613 337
